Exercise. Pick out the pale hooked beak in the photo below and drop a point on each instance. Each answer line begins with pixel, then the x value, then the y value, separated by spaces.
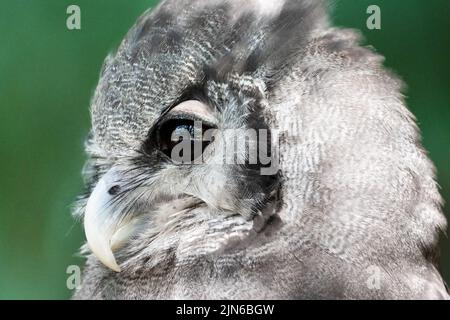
pixel 104 225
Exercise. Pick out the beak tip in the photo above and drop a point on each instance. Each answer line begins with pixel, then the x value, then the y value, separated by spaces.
pixel 107 258
pixel 112 264
pixel 114 267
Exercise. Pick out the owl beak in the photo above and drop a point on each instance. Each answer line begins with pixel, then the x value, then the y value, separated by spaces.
pixel 104 227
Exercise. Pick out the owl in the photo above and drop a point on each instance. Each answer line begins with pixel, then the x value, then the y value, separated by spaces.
pixel 251 150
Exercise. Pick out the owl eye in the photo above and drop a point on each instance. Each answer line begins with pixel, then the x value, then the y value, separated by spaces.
pixel 180 133
pixel 182 130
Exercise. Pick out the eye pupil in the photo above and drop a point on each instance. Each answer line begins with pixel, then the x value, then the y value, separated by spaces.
pixel 173 131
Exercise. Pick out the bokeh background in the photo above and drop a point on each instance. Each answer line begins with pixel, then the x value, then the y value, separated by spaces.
pixel 47 77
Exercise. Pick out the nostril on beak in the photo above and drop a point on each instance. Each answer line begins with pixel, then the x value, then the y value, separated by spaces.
pixel 114 190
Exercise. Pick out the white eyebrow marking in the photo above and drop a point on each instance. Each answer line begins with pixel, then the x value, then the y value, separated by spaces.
pixel 200 109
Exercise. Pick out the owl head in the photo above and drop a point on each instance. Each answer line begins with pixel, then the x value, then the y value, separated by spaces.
pixel 182 137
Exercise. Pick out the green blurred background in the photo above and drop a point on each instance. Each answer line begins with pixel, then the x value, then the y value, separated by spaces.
pixel 48 74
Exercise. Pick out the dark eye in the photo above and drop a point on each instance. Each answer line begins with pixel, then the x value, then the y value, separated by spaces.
pixel 187 135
